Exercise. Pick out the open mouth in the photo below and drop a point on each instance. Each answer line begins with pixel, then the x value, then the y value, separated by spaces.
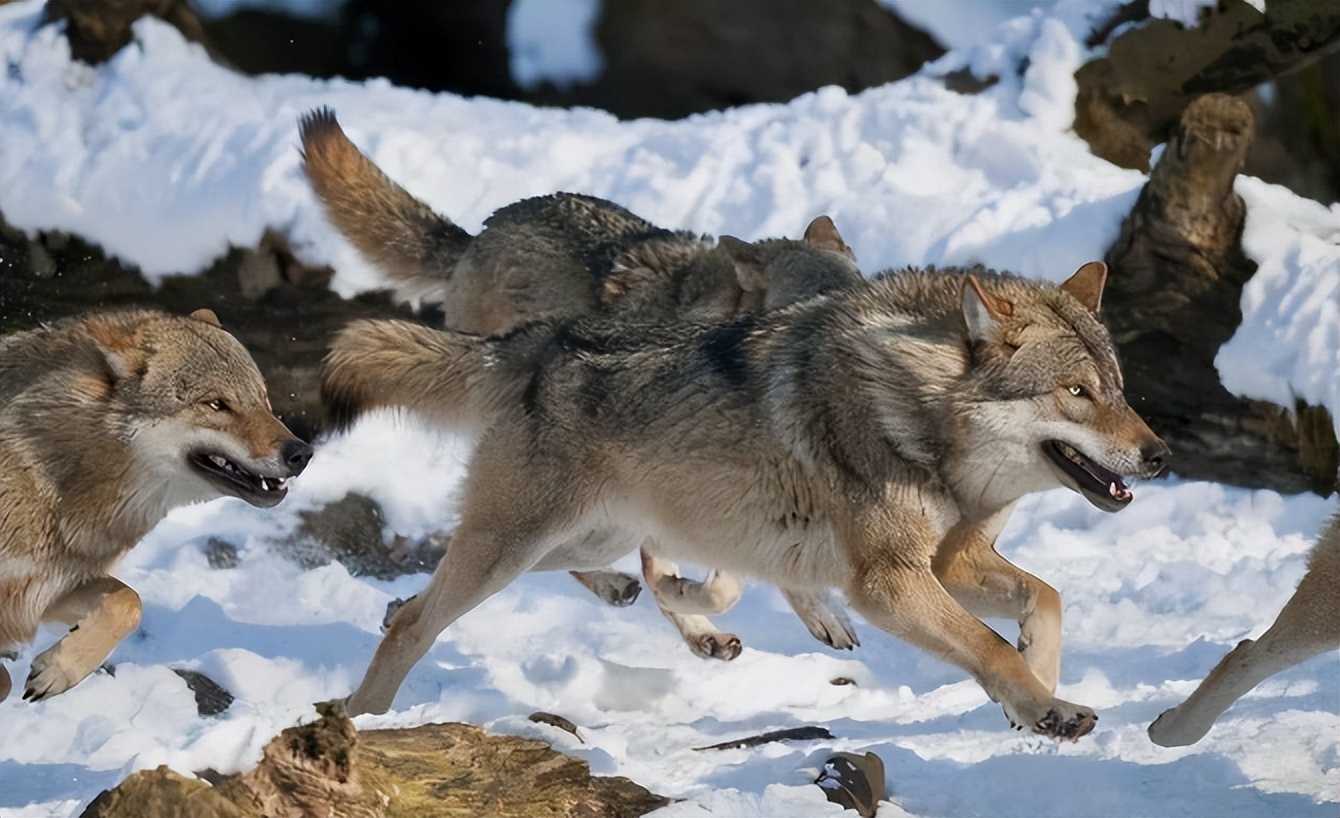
pixel 1099 486
pixel 239 481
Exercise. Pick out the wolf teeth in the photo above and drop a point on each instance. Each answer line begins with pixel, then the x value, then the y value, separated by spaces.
pixel 274 483
pixel 1112 490
pixel 219 461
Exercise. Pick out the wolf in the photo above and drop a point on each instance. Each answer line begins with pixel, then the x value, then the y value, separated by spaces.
pixel 560 256
pixel 1309 624
pixel 566 256
pixel 108 420
pixel 872 440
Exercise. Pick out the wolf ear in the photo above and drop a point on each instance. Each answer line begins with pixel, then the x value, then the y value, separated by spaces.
pixel 823 234
pixel 1086 285
pixel 983 311
pixel 205 316
pixel 748 263
pixel 120 345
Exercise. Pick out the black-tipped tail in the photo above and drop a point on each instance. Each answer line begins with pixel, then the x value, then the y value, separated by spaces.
pixel 399 234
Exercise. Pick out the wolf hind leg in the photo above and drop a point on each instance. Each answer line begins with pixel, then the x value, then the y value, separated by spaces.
pixel 675 594
pixel 613 587
pixel 507 526
pixel 714 595
pixel 823 617
pixel 101 612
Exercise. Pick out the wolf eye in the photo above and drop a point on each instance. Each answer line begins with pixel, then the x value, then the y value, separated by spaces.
pixel 217 404
pixel 1077 390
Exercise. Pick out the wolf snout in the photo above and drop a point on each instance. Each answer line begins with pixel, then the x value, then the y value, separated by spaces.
pixel 295 455
pixel 1154 457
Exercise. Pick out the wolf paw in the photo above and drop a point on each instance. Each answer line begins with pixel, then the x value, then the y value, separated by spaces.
pixel 613 587
pixel 1062 720
pixel 835 630
pixel 1171 730
pixel 49 677
pixel 624 595
pixel 723 646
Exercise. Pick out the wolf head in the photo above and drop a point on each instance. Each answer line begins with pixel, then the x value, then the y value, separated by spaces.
pixel 1045 384
pixel 781 272
pixel 192 408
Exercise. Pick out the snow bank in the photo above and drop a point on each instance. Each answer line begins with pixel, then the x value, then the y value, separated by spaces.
pixel 166 159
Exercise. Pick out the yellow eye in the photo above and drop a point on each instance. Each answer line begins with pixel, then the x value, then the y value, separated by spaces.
pixel 1077 391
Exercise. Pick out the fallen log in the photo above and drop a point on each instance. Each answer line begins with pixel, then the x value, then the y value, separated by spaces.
pixel 326 767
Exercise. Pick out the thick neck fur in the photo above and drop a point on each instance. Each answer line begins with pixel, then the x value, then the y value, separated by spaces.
pixel 892 388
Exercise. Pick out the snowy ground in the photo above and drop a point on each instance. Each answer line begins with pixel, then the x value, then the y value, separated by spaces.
pixel 165 159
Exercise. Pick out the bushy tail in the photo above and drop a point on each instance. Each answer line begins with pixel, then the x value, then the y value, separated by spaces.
pixel 441 374
pixel 414 246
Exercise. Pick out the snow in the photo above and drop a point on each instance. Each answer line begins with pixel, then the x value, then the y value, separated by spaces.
pixel 166 159
pixel 553 40
pixel 1288 345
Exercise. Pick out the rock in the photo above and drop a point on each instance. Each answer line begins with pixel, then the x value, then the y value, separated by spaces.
pixel 701 55
pixel 97 29
pixel 210 697
pixel 328 768
pixel 350 531
pixel 665 59
pixel 287 329
pixel 854 781
pixel 221 553
pixel 162 793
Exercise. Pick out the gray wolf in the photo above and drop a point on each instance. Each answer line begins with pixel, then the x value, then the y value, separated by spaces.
pixel 566 256
pixel 1309 624
pixel 872 440
pixel 108 421
pixel 560 256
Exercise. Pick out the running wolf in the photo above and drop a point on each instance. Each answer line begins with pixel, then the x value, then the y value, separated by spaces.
pixel 1308 625
pixel 566 256
pixel 108 421
pixel 872 440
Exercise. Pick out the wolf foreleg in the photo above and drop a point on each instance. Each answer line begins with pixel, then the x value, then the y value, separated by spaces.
pixel 912 605
pixel 988 585
pixel 101 612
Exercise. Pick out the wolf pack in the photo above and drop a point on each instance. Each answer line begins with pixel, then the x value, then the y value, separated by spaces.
pixel 763 409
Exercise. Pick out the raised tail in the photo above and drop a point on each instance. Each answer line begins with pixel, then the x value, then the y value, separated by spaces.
pixel 443 375
pixel 414 246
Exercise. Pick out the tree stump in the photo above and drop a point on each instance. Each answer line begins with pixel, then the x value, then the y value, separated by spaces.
pixel 1173 299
